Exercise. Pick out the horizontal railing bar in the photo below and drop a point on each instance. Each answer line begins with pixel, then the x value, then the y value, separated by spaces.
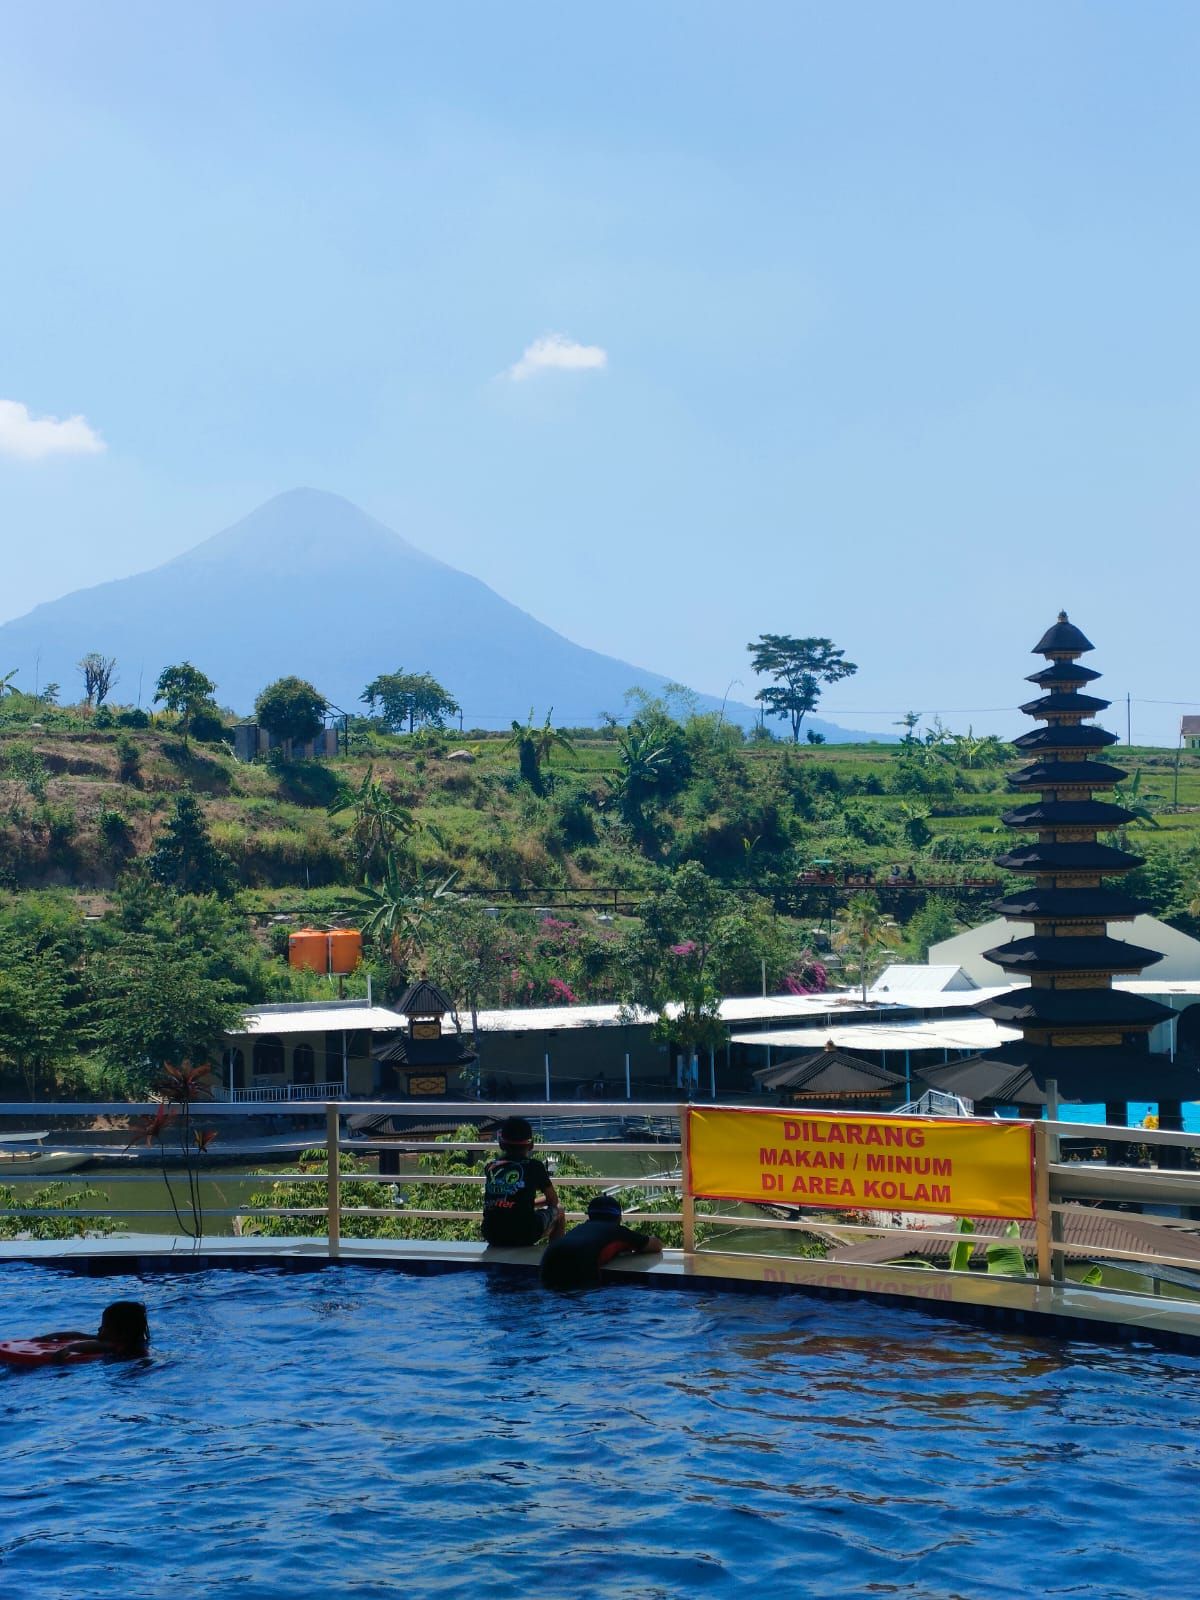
pixel 534 1110
pixel 115 1212
pixel 355 1146
pixel 1113 1133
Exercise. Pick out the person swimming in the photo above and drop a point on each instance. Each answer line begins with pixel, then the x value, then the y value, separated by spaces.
pixel 123 1335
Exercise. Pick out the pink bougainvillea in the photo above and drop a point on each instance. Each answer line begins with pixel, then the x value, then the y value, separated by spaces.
pixel 561 993
pixel 807 977
pixel 685 949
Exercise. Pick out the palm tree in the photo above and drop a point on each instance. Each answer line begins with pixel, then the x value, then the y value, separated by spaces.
pixel 535 745
pixel 643 760
pixel 379 820
pixel 402 911
pixel 863 931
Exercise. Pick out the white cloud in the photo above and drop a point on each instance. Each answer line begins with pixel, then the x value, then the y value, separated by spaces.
pixel 30 438
pixel 553 352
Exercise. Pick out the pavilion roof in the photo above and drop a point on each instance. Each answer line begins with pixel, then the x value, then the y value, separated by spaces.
pixel 424 999
pixel 1063 672
pixel 1098 1008
pixel 830 1074
pixel 1084 857
pixel 1082 905
pixel 1067 814
pixel 1062 637
pixel 1017 1073
pixel 1062 774
pixel 1080 736
pixel 450 1051
pixel 1072 954
pixel 1061 700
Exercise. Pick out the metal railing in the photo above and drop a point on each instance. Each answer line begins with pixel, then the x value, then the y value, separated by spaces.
pixel 264 1092
pixel 1060 1187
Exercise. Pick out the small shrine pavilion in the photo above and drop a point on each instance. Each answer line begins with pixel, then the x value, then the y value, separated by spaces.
pixel 426 1061
pixel 1092 1040
pixel 833 1079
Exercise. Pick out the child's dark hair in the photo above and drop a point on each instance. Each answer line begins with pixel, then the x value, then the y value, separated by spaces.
pixel 125 1320
pixel 514 1133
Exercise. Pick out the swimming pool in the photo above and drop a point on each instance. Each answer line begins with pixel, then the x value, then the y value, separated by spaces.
pixel 370 1434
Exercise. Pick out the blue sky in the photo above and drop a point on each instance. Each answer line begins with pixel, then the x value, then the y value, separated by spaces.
pixel 888 316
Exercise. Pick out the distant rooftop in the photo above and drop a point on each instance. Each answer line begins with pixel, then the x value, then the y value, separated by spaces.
pixel 898 980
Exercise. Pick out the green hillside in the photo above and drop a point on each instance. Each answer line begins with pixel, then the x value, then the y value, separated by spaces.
pixel 574 871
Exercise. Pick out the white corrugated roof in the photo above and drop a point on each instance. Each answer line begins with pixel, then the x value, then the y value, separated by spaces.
pixel 931 1033
pixel 926 979
pixel 742 1009
pixel 319 1018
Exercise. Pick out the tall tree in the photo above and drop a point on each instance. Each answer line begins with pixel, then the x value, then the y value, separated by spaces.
pixel 290 708
pixel 863 932
pixel 185 858
pixel 674 960
pixel 184 690
pixel 34 1022
pixel 800 667
pixel 154 1005
pixel 99 673
pixel 409 700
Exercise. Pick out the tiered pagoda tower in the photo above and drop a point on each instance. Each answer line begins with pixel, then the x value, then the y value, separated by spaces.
pixel 1092 1039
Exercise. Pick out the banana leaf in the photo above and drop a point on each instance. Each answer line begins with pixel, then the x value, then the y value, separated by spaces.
pixel 1006 1258
pixel 960 1254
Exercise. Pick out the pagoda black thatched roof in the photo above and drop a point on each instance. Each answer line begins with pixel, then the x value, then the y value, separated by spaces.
pixel 1063 637
pixel 450 1051
pixel 1074 1008
pixel 1017 1074
pixel 1079 905
pixel 1067 954
pixel 1045 857
pixel 1080 736
pixel 1066 774
pixel 1063 672
pixel 1067 814
pixel 1047 704
pixel 423 999
pixel 830 1074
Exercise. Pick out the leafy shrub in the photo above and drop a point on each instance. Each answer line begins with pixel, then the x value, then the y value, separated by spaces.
pixel 115 830
pixel 129 761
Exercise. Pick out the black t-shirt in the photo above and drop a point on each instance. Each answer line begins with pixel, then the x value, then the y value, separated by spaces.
pixel 510 1191
pixel 574 1261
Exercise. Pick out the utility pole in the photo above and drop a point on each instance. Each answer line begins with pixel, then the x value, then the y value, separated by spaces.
pixel 1128 739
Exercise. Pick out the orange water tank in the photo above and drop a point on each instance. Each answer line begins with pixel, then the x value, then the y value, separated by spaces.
pixel 345 949
pixel 308 948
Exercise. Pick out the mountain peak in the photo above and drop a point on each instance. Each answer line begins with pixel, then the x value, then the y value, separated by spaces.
pixel 310 530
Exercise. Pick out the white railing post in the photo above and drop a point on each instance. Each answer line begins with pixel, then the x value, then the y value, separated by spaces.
pixel 687 1198
pixel 333 1172
pixel 1042 1213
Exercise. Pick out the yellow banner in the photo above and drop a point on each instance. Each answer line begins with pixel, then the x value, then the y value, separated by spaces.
pixel 949 1165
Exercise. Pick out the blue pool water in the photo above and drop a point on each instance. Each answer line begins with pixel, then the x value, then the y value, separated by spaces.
pixel 362 1434
pixel 1137 1110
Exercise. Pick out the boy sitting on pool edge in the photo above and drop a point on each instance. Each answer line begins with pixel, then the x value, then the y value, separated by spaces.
pixel 512 1219
pixel 575 1260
